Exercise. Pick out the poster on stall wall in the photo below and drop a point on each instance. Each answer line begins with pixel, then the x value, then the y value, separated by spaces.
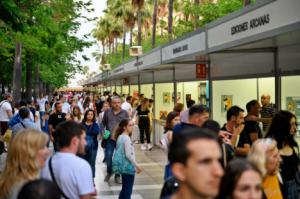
pixel 166 98
pixel 293 105
pixel 226 102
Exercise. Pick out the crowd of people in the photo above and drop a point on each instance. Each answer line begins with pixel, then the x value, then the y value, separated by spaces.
pixel 249 157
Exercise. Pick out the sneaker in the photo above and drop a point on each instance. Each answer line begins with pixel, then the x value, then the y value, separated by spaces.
pixel 107 177
pixel 118 179
pixel 149 147
pixel 143 147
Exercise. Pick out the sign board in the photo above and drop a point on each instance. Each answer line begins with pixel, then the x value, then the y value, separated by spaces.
pixel 201 71
pixel 263 19
pixel 187 46
pixel 151 59
pixel 130 66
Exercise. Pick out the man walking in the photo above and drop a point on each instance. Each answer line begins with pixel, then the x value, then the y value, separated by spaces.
pixel 72 174
pixel 110 122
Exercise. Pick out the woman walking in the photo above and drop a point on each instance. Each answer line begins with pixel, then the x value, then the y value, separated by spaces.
pixel 92 132
pixel 144 123
pixel 124 159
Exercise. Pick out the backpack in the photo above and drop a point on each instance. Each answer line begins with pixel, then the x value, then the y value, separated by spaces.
pixel 14 120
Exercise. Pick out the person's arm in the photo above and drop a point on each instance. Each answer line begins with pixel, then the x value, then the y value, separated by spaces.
pixel 128 151
pixel 88 196
pixel 242 150
pixel 10 114
pixel 104 120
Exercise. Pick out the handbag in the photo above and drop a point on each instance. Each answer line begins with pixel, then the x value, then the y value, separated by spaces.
pixel 120 164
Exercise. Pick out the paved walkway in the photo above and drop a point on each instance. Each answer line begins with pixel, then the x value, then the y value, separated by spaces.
pixel 147 184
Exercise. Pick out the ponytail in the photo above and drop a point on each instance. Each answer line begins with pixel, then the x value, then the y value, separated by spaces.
pixel 121 127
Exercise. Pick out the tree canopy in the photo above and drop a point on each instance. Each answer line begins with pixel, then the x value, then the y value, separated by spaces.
pixel 46 29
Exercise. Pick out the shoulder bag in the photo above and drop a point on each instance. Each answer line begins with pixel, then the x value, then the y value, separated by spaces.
pixel 120 164
pixel 54 180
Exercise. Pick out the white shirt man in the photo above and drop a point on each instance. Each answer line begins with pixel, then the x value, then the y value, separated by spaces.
pixel 72 174
pixel 42 102
pixel 5 107
pixel 127 106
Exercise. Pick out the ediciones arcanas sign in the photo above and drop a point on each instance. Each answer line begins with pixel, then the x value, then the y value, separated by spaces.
pixel 253 23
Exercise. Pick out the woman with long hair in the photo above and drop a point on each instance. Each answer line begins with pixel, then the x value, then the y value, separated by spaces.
pixel 242 180
pixel 143 114
pixel 88 103
pixel 76 114
pixel 283 129
pixel 26 156
pixel 92 132
pixel 128 166
pixel 265 155
pixel 172 119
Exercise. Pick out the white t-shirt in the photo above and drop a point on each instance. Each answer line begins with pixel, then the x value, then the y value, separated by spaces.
pixel 66 108
pixel 5 106
pixel 72 174
pixel 126 106
pixel 42 103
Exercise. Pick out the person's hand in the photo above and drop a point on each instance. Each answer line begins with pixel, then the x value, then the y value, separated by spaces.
pixel 138 169
pixel 238 130
pixel 52 138
pixel 224 134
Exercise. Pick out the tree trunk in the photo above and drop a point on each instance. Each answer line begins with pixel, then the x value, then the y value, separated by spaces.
pixel 139 27
pixel 41 91
pixel 130 39
pixel 17 74
pixel 197 4
pixel 28 93
pixel 124 40
pixel 247 2
pixel 154 21
pixel 116 43
pixel 2 88
pixel 36 82
pixel 170 19
pixel 9 87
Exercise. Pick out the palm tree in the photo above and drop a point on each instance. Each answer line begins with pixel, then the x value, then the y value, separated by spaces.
pixel 196 17
pixel 170 19
pixel 139 4
pixel 154 21
pixel 122 10
pixel 247 2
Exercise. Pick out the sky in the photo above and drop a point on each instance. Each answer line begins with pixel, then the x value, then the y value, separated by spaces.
pixel 86 27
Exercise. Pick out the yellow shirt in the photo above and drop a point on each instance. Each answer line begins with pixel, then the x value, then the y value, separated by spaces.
pixel 271 187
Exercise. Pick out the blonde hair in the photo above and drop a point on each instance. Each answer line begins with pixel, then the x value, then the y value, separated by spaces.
pixel 22 164
pixel 258 153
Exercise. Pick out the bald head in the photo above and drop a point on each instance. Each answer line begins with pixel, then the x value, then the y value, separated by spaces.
pixel 265 99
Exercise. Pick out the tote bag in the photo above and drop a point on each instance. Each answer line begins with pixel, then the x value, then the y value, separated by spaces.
pixel 120 164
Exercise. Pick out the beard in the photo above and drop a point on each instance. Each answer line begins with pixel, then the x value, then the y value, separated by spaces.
pixel 80 150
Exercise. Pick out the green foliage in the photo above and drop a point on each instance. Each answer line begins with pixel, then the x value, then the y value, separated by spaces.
pixel 46 29
pixel 188 16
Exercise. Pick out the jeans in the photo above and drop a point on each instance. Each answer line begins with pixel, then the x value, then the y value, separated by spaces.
pixel 42 113
pixel 128 181
pixel 144 129
pixel 109 152
pixel 90 156
pixel 168 171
